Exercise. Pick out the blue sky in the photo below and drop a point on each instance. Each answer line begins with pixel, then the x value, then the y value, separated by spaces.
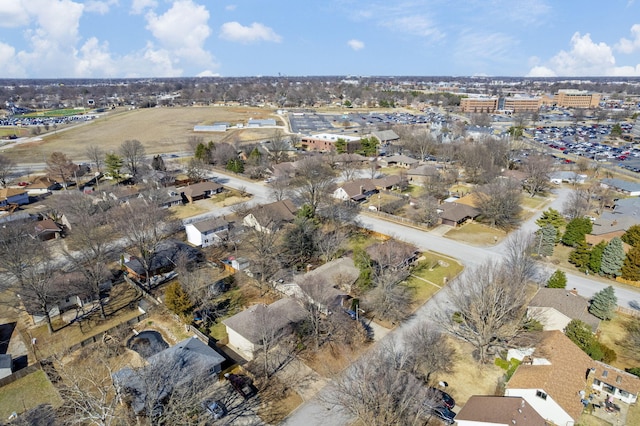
pixel 174 38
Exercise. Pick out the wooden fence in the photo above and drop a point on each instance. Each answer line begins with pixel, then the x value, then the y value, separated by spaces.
pixel 20 374
pixel 628 311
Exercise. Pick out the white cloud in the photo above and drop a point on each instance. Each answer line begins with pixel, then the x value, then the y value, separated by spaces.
pixel 540 71
pixel 586 58
pixel 234 31
pixel 94 59
pixel 355 44
pixel 207 73
pixel 629 46
pixel 139 6
pixel 417 25
pixel 13 14
pixel 100 6
pixel 230 7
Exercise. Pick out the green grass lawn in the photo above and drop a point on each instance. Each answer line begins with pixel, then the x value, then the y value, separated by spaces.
pixel 476 234
pixel 26 393
pixel 536 202
pixel 426 280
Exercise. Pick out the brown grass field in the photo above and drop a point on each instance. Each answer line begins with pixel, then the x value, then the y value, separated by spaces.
pixel 159 129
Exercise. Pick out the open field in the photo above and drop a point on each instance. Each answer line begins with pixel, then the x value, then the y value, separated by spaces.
pixel 159 129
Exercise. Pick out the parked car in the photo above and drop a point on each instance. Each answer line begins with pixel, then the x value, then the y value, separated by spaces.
pixel 216 408
pixel 444 414
pixel 440 397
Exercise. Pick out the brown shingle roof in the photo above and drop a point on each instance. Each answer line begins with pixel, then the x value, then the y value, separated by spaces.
pixel 358 186
pixel 509 410
pixel 279 211
pixel 201 188
pixel 563 378
pixel 567 303
pixel 616 377
pixel 458 212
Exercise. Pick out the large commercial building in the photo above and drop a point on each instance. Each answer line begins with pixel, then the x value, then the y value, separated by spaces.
pixel 479 104
pixel 326 142
pixel 520 103
pixel 571 98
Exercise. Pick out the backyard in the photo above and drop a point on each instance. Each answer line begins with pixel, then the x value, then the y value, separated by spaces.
pixel 26 393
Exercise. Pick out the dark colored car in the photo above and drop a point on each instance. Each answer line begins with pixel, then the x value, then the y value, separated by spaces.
pixel 444 414
pixel 441 398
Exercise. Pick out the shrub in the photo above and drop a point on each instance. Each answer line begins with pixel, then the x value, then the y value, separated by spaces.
pixel 634 370
pixel 557 280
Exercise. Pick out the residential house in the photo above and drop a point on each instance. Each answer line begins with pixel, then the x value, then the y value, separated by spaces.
pixel 47 229
pixel 285 169
pixel 165 259
pixel 556 307
pixel 208 232
pixel 610 224
pixel 390 182
pixel 455 214
pixel 423 174
pixel 483 410
pixel 567 177
pixel 393 254
pixel 631 189
pixel 148 387
pixel 200 191
pixel 171 197
pixel 16 196
pixel 245 329
pixel 357 190
pixel 613 381
pixel 552 378
pixel 6 365
pixel 41 185
pixel 267 216
pixel 398 160
pixel 327 286
pixel 385 137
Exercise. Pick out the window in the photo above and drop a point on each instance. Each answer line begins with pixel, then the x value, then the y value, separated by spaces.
pixel 541 394
pixel 605 373
pixel 618 379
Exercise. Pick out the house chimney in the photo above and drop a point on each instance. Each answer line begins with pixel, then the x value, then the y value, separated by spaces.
pixel 361 189
pixel 574 291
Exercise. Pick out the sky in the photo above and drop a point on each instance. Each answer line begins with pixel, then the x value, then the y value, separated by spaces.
pixel 190 38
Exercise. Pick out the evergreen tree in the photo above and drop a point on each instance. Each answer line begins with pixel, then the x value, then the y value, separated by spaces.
pixel 177 300
pixel 613 257
pixel 631 266
pixel 235 165
pixel 158 163
pixel 604 303
pixel 576 230
pixel 557 280
pixel 554 218
pixel 203 153
pixel 113 164
pixel 632 236
pixel 341 146
pixel 546 240
pixel 595 258
pixel 580 255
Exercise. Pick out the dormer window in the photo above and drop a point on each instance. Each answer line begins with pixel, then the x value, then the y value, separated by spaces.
pixel 541 394
pixel 605 373
pixel 619 379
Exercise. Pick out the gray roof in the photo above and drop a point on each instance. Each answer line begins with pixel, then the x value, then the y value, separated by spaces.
pixel 564 301
pixel 212 224
pixel 621 185
pixel 612 222
pixel 386 135
pixel 424 170
pixel 625 207
pixel 192 346
pixel 280 314
pixel 6 361
pixel 400 159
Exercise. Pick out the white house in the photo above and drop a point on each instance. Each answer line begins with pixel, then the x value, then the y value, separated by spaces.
pixel 569 177
pixel 208 232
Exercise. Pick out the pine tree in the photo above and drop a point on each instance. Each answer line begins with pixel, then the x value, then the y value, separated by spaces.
pixel 595 258
pixel 580 255
pixel 554 218
pixel 545 241
pixel 235 165
pixel 113 164
pixel 557 280
pixel 177 300
pixel 612 257
pixel 632 236
pixel 631 266
pixel 604 303
pixel 576 230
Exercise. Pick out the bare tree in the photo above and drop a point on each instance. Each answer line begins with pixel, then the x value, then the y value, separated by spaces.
pixel 270 332
pixel 499 202
pixel 61 167
pixel 278 147
pixel 96 156
pixel 431 350
pixel 196 170
pixel 420 142
pixel 378 390
pixel 313 183
pixel 349 167
pixel 391 298
pixel 7 166
pixel 329 241
pixel 222 153
pixel 485 308
pixel 577 204
pixel 537 169
pixel 133 155
pixel 518 259
pixel 263 245
pixel 280 188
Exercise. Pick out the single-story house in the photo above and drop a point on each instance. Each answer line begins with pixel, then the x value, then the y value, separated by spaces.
pixel 566 176
pixel 482 410
pixel 556 307
pixel 393 254
pixel 631 189
pixel 389 182
pixel 399 160
pixel 201 190
pixel 208 232
pixel 264 217
pixel 47 229
pixel 186 362
pixel 454 213
pixel 42 185
pixel 357 190
pixel 13 196
pixel 552 378
pixel 618 383
pixel 167 255
pixel 171 197
pixel 385 136
pixel 610 225
pixel 423 173
pixel 246 329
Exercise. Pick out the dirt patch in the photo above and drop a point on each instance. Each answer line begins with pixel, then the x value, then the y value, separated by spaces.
pixel 332 358
pixel 613 334
pixel 278 401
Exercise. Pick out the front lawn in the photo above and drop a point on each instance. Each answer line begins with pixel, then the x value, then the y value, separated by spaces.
pixel 428 276
pixel 476 234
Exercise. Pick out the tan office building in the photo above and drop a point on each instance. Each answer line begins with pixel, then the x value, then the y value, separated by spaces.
pixel 479 104
pixel 571 98
pixel 521 103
